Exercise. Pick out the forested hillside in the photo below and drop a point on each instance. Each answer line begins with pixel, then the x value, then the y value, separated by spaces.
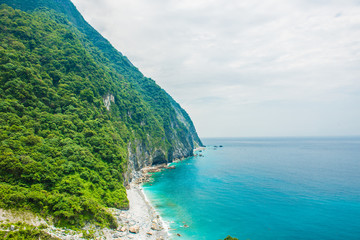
pixel 74 122
pixel 180 132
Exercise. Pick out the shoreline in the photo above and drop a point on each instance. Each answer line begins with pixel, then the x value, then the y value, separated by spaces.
pixel 142 211
pixel 140 222
pixel 141 217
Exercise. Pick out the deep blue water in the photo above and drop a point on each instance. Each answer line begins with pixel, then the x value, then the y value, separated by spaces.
pixel 264 188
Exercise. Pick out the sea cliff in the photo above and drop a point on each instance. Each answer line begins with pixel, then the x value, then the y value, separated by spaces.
pixel 78 119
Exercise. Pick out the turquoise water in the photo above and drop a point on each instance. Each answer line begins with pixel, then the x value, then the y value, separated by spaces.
pixel 264 188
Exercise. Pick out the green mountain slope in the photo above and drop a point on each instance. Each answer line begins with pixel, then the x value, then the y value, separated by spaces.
pixel 76 118
pixel 169 113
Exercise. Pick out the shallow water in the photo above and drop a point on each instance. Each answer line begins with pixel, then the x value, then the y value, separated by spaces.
pixel 264 188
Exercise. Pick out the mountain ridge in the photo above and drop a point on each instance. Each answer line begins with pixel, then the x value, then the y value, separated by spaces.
pixel 115 59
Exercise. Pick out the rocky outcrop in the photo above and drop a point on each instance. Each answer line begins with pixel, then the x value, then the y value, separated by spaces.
pixel 108 99
pixel 183 134
pixel 183 140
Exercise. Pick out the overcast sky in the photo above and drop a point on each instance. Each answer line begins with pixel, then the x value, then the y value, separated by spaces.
pixel 245 68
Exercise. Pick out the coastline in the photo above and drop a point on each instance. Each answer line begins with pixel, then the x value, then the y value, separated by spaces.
pixel 141 215
pixel 140 222
pixel 141 211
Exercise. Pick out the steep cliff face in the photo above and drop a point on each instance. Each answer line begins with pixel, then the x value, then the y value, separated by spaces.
pixel 180 135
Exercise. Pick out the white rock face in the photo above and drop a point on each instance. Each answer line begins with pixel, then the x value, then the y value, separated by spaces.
pixel 108 98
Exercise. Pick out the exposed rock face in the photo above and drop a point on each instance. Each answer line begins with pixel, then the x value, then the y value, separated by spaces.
pixel 108 99
pixel 182 142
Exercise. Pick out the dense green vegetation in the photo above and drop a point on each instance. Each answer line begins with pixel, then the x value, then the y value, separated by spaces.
pixel 62 153
pixel 23 231
pixel 159 103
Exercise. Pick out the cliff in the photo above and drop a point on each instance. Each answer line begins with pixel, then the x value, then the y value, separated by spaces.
pixel 77 118
pixel 180 132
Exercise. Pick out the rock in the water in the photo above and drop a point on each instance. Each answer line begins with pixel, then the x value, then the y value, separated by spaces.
pixel 134 229
pixel 179 235
pixel 149 233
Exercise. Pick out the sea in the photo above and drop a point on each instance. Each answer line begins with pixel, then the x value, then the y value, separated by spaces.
pixel 263 189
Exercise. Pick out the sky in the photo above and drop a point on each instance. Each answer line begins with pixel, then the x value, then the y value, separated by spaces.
pixel 245 68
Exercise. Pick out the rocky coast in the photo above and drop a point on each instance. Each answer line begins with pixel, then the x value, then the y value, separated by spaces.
pixel 139 222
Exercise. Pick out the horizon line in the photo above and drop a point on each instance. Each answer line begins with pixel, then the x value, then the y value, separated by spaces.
pixel 289 136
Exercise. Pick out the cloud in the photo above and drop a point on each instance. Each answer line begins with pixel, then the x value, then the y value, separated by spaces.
pixel 237 57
